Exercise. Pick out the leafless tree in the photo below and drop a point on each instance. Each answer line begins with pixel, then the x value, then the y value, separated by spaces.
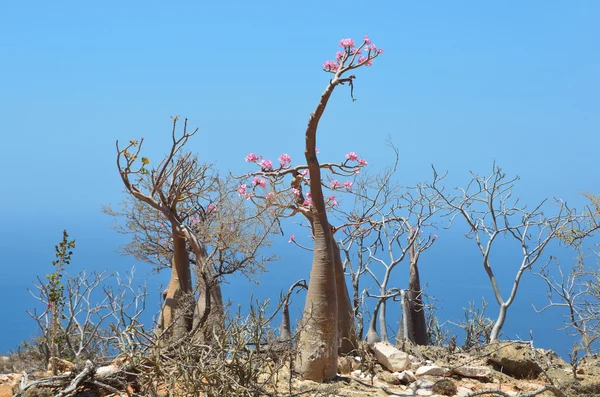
pixel 183 213
pixel 490 212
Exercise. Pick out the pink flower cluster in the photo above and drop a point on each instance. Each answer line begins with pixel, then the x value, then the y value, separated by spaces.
pixel 335 184
pixel 256 181
pixel 350 50
pixel 267 165
pixel 331 66
pixel 211 208
pixel 284 160
pixel 354 157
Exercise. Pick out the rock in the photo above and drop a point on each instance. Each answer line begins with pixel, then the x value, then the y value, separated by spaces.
pixel 445 387
pixel 431 370
pixel 62 365
pixel 345 365
pixel 473 372
pixel 356 373
pixel 389 378
pixel 514 359
pixel 421 384
pixel 390 357
pixel 463 392
pixel 406 377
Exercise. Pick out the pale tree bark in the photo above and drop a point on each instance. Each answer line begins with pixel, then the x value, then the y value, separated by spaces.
pixel 346 322
pixel 490 212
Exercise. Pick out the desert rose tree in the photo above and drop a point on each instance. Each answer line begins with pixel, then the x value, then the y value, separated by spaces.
pixel 320 330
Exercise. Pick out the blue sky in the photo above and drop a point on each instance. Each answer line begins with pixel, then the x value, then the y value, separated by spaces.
pixel 461 84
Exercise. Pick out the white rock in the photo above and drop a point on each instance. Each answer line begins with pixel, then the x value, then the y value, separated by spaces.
pixel 390 357
pixel 432 370
pixel 356 372
pixel 406 377
pixel 473 372
pixel 463 391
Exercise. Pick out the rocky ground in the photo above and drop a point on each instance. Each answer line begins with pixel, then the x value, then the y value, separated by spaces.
pixel 508 368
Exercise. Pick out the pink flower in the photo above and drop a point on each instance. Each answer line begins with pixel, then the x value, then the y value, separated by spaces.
pixel 251 158
pixel 266 165
pixel 356 51
pixel 305 172
pixel 357 170
pixel 335 184
pixel 352 156
pixel 369 62
pixel 333 202
pixel 435 236
pixel 330 66
pixel 372 47
pixel 339 56
pixel 270 196
pixel 362 162
pixel 316 150
pixel 366 39
pixel 193 219
pixel 284 160
pixel 295 191
pixel 242 189
pixel 361 59
pixel 343 230
pixel 248 196
pixel 309 194
pixel 307 202
pixel 348 185
pixel 380 51
pixel 259 182
pixel 346 43
pixel 211 208
pixel 292 238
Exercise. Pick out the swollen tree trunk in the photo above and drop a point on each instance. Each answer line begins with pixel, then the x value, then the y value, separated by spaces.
pixel 179 302
pixel 318 342
pixel 372 336
pixel 346 325
pixel 417 324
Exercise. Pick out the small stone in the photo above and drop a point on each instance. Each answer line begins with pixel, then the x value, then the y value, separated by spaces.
pixel 389 378
pixel 390 357
pixel 356 373
pixel 406 377
pixel 445 387
pixel 473 372
pixel 431 370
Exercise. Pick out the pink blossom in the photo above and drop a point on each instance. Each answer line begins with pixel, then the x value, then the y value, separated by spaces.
pixel 316 150
pixel 307 202
pixel 295 191
pixel 357 170
pixel 270 196
pixel 435 236
pixel 343 230
pixel 380 51
pixel 266 165
pixel 352 156
pixel 251 158
pixel 356 51
pixel 339 56
pixel 284 160
pixel 309 195
pixel 330 66
pixel 372 47
pixel 369 62
pixel 292 238
pixel 242 189
pixel 347 43
pixel 305 172
pixel 362 162
pixel 211 208
pixel 335 184
pixel 248 196
pixel 348 185
pixel 367 40
pixel 193 219
pixel 333 202
pixel 259 181
pixel 361 59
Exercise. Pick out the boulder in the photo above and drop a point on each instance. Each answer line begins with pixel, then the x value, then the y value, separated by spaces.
pixel 390 357
pixel 514 359
pixel 431 370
